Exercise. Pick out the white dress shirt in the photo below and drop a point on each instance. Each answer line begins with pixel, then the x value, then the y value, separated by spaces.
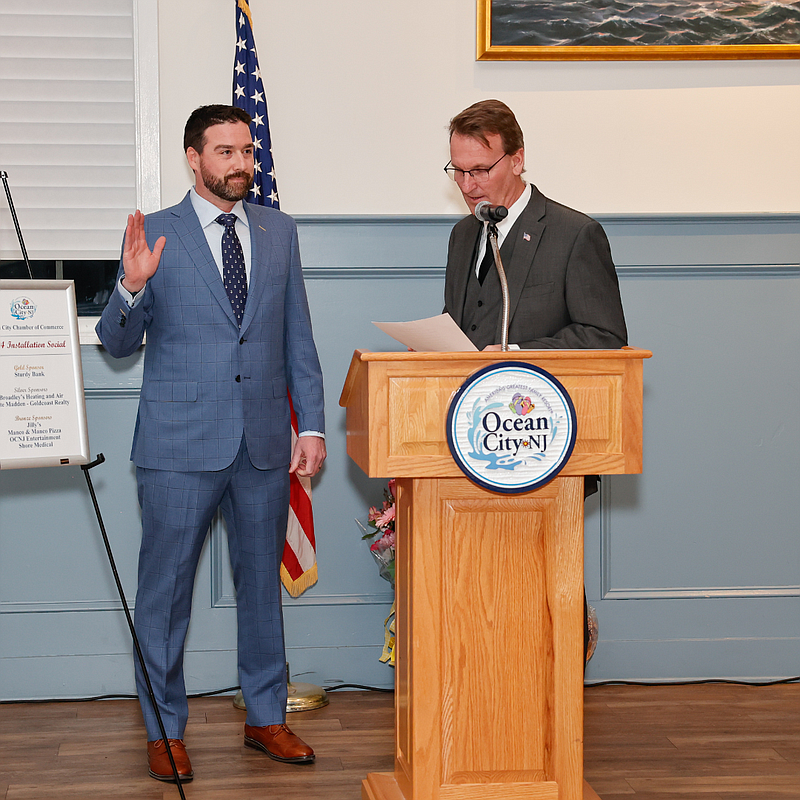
pixel 504 226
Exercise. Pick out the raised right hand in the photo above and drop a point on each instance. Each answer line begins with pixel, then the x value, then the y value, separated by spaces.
pixel 138 262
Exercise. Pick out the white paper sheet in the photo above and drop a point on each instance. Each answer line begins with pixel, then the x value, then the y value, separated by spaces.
pixel 434 334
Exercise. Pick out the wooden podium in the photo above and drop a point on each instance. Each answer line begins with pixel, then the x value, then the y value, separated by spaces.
pixel 489 681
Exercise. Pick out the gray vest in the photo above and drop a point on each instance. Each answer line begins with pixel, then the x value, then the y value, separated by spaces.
pixel 483 305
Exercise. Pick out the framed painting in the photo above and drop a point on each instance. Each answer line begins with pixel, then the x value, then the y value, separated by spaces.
pixel 592 30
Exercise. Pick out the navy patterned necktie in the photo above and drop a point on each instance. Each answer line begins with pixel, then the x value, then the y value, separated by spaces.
pixel 233 272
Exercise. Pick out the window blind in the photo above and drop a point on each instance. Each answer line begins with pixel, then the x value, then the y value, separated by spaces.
pixel 68 125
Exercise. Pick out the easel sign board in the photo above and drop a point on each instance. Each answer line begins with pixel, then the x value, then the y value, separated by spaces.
pixel 42 407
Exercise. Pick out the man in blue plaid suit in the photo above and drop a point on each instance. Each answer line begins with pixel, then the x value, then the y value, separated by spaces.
pixel 213 428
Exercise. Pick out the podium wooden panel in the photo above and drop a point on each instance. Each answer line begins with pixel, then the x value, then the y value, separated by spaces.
pixel 489 681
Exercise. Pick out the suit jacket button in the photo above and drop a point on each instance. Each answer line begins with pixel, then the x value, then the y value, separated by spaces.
pixel 238 379
pixel 480 303
pixel 474 328
pixel 241 341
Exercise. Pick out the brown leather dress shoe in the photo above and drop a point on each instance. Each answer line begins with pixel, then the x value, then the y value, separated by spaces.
pixel 161 769
pixel 279 743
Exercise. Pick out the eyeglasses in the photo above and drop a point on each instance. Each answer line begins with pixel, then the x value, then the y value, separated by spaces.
pixel 478 175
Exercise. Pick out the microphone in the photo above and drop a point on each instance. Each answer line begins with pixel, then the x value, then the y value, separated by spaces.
pixel 486 212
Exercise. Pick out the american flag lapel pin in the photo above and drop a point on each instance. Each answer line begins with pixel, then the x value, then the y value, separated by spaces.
pixel 526 237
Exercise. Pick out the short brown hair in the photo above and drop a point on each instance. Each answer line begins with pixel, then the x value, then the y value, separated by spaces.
pixel 201 119
pixel 489 116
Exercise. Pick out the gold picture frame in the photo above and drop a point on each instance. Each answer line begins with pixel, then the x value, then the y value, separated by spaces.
pixel 486 51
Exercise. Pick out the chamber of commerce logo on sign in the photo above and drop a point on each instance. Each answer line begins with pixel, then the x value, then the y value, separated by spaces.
pixel 511 427
pixel 22 308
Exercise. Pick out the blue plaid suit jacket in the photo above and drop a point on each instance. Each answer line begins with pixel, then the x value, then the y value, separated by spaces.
pixel 207 383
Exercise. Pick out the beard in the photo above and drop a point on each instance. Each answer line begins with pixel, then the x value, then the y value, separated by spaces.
pixel 222 188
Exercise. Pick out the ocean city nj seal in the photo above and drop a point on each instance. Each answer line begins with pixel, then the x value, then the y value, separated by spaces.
pixel 22 308
pixel 511 427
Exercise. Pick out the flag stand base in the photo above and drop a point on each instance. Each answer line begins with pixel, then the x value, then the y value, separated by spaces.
pixel 302 696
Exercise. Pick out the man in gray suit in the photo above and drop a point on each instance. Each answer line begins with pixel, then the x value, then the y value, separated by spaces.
pixel 562 284
pixel 216 285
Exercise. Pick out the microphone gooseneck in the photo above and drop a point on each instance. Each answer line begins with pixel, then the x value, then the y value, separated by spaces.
pixel 501 273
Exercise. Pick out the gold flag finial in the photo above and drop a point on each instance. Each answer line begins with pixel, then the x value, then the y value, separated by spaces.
pixel 245 8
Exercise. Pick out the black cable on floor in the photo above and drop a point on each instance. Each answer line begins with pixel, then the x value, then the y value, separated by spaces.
pixel 191 696
pixel 74 699
pixel 698 682
pixel 113 697
pixel 357 686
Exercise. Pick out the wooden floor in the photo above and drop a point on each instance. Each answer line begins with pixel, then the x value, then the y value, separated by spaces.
pixel 713 742
pixel 642 743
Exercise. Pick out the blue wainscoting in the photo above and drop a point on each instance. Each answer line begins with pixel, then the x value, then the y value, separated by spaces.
pixel 693 567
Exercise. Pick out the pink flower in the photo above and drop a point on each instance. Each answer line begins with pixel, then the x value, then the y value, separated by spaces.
pixel 391 487
pixel 386 517
pixel 386 541
pixel 389 538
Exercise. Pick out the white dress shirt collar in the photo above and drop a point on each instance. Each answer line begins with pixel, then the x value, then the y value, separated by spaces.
pixel 505 225
pixel 207 212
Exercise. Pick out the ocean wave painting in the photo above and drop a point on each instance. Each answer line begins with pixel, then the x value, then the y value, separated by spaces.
pixel 612 23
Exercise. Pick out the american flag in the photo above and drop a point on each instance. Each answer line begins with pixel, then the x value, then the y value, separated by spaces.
pixel 248 93
pixel 299 565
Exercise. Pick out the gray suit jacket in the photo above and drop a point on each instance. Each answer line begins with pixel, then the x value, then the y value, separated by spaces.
pixel 562 282
pixel 206 382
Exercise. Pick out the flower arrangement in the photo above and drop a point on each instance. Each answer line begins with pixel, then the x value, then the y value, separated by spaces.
pixel 380 531
pixel 380 524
